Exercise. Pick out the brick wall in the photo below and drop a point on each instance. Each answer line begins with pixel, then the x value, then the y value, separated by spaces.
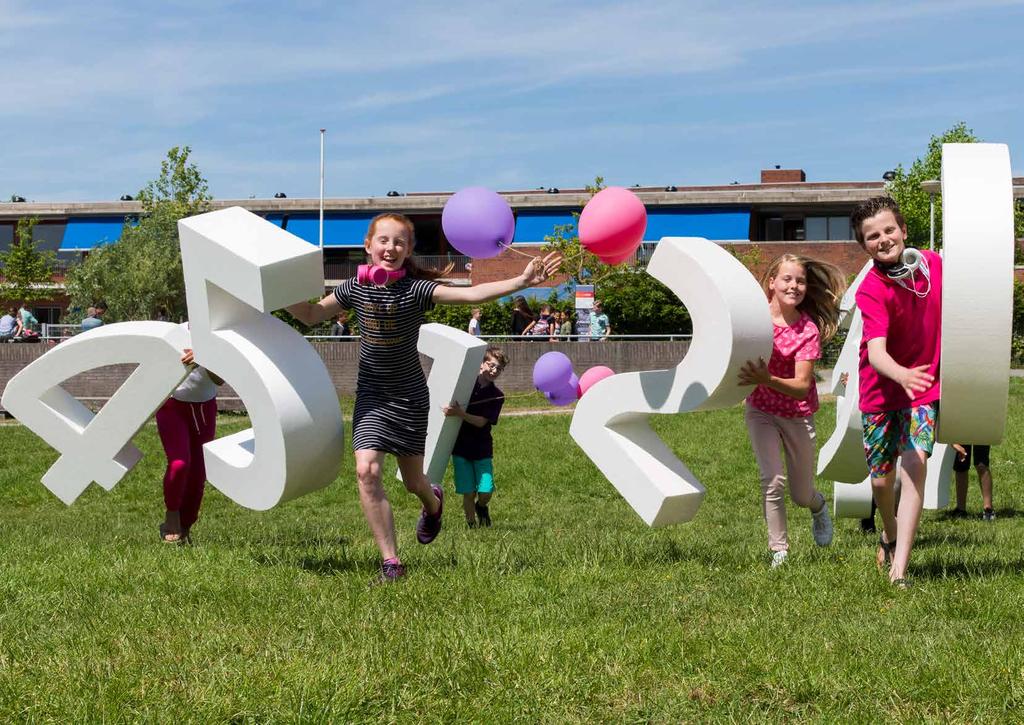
pixel 782 176
pixel 342 362
pixel 848 256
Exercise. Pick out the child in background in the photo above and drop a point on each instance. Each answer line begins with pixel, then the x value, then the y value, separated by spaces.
pixel 565 330
pixel 899 367
pixel 473 454
pixel 540 329
pixel 391 390
pixel 961 469
pixel 803 297
pixel 186 421
pixel 474 323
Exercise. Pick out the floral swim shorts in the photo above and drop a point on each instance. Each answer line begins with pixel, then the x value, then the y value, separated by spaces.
pixel 889 433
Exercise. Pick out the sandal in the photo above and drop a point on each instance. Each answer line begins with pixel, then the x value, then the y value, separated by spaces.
pixel 165 535
pixel 885 550
pixel 901 583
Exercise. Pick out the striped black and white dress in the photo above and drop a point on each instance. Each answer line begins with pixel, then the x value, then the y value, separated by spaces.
pixel 392 401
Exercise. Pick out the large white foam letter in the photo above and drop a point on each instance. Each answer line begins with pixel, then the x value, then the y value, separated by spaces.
pixel 977 292
pixel 455 363
pixel 97 447
pixel 239 267
pixel 731 325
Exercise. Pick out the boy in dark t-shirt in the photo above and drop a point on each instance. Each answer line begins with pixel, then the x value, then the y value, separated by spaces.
pixel 474 450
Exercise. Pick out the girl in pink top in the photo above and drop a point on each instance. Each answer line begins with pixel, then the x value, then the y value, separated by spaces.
pixel 803 298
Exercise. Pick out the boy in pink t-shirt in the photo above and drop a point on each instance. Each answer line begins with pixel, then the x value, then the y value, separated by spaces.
pixel 901 305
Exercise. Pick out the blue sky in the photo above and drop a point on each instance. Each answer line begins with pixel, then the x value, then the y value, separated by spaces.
pixel 438 96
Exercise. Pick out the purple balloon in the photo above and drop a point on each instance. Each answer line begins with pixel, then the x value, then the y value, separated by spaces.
pixel 551 372
pixel 569 393
pixel 478 222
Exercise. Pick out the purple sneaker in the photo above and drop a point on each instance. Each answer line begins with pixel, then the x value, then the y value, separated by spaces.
pixel 428 527
pixel 390 571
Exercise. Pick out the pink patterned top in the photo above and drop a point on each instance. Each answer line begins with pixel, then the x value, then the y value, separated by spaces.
pixel 799 341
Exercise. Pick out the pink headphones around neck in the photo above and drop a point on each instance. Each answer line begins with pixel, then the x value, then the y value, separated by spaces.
pixel 372 274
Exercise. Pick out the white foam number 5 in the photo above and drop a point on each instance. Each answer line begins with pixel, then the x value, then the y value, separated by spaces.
pixel 731 325
pixel 238 267
pixel 97 447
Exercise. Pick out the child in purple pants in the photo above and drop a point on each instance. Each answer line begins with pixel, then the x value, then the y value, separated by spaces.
pixel 186 421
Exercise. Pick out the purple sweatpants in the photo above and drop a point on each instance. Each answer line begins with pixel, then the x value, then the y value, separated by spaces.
pixel 184 428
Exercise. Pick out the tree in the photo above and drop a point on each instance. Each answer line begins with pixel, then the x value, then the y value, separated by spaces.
pixel 638 304
pixel 914 201
pixel 27 271
pixel 142 272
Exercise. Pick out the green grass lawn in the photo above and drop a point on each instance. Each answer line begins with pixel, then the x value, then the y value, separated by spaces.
pixel 568 609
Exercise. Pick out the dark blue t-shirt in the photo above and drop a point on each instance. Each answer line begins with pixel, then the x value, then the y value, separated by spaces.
pixel 474 443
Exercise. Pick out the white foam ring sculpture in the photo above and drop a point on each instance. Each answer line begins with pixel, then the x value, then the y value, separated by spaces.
pixel 455 364
pixel 238 268
pixel 977 292
pixel 97 447
pixel 977 303
pixel 731 325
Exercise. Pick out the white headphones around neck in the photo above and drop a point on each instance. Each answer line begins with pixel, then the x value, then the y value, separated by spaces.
pixel 911 261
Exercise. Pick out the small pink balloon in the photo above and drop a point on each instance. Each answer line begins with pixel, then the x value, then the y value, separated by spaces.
pixel 593 375
pixel 612 224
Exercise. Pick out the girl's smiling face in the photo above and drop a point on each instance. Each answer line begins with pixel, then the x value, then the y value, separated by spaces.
pixel 789 285
pixel 389 244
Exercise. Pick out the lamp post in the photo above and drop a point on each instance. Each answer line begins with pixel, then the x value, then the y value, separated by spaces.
pixel 322 132
pixel 932 187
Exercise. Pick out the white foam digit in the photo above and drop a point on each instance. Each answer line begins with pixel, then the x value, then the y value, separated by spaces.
pixel 977 292
pixel 238 267
pixel 731 325
pixel 456 358
pixel 97 447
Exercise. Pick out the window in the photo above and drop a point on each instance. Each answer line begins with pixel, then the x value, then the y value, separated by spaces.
pixel 833 228
pixel 6 236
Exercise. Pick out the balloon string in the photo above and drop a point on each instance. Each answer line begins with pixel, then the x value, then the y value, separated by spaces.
pixel 517 251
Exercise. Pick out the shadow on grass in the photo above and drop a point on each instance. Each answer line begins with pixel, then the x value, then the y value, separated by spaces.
pixel 331 565
pixel 963 570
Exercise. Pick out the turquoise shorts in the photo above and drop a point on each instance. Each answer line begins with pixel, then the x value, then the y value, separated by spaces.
pixel 473 476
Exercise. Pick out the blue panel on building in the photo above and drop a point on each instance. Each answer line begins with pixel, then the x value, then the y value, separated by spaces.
pixel 86 233
pixel 340 230
pixel 532 227
pixel 716 224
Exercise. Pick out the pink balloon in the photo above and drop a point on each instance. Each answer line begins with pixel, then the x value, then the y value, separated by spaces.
pixel 612 224
pixel 593 375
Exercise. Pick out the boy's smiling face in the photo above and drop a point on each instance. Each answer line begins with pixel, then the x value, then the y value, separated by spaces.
pixel 884 238
pixel 490 369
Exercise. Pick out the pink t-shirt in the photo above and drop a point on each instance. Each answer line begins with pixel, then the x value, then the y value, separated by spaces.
pixel 799 341
pixel 910 326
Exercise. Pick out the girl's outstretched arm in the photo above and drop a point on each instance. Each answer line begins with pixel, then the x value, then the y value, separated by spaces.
pixel 313 313
pixel 537 271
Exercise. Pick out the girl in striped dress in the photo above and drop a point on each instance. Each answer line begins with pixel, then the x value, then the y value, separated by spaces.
pixel 391 391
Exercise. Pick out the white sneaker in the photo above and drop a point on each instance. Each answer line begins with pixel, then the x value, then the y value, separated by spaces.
pixel 779 558
pixel 821 526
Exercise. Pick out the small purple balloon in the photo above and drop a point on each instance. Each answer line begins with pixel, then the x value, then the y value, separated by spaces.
pixel 567 394
pixel 478 222
pixel 551 371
